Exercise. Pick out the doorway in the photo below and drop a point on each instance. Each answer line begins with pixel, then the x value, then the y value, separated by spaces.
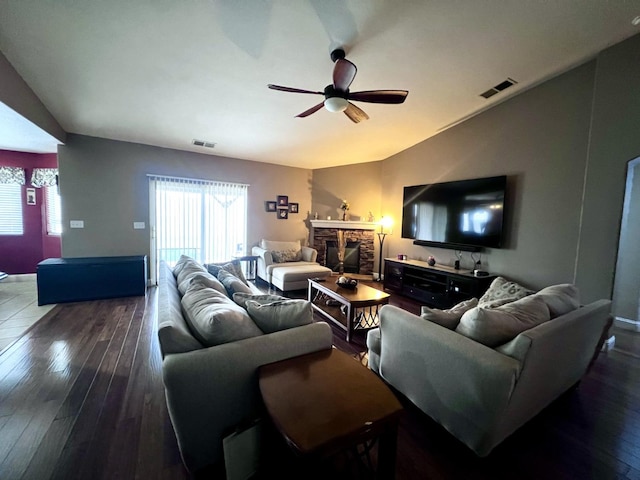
pixel 626 289
pixel 203 219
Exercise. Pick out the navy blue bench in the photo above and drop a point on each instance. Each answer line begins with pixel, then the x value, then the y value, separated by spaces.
pixel 79 279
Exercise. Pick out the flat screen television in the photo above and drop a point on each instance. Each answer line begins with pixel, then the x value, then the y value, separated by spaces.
pixel 462 215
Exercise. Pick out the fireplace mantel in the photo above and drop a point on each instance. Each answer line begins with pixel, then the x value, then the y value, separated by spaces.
pixel 348 225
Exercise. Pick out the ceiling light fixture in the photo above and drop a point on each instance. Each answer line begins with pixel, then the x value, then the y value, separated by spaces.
pixel 336 104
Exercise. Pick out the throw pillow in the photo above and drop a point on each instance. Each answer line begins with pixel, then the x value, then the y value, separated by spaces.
pixel 232 283
pixel 560 299
pixel 205 278
pixel 495 326
pixel 451 317
pixel 234 268
pixel 241 298
pixel 213 318
pixel 502 291
pixel 280 315
pixel 282 256
pixel 188 268
pixel 180 263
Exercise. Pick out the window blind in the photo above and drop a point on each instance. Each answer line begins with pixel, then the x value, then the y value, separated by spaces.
pixel 11 209
pixel 54 212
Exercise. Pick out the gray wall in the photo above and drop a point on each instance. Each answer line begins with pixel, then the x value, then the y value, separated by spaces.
pixel 539 140
pixel 104 183
pixel 359 184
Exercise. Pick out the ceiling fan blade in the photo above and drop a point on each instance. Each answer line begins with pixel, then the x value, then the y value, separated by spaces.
pixel 306 113
pixel 343 74
pixel 380 96
pixel 292 90
pixel 355 114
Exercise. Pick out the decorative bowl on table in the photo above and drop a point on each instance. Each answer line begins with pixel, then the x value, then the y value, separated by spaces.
pixel 349 283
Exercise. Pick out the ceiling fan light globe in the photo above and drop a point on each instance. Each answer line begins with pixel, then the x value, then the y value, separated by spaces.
pixel 336 104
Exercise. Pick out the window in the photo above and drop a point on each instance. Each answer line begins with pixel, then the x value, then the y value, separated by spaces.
pixel 205 220
pixel 11 209
pixel 54 213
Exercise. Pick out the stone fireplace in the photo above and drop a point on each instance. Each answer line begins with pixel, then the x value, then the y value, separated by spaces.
pixel 358 236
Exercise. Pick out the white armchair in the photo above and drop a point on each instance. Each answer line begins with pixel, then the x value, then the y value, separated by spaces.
pixel 288 265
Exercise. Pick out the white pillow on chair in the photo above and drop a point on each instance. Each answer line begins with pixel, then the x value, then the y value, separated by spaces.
pixel 272 245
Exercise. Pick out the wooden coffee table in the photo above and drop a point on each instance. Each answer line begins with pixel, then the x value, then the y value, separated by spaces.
pixel 327 402
pixel 361 304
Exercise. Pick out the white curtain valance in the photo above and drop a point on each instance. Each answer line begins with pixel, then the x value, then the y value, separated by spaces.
pixel 12 175
pixel 44 177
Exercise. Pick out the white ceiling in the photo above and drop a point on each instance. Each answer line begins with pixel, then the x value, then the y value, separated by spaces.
pixel 163 72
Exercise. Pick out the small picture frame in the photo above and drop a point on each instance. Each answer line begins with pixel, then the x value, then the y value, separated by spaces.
pixel 293 207
pixel 270 206
pixel 31 196
pixel 283 201
pixel 283 213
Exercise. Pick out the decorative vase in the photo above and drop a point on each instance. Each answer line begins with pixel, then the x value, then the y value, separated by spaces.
pixel 344 215
pixel 342 246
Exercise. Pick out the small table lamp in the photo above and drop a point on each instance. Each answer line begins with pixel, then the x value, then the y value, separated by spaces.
pixel 384 222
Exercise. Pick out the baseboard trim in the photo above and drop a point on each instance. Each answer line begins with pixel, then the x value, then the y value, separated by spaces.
pixel 627 324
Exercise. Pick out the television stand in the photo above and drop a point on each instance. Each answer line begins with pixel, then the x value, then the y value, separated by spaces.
pixel 439 286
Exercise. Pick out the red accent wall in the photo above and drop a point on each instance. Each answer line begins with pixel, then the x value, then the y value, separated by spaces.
pixel 22 253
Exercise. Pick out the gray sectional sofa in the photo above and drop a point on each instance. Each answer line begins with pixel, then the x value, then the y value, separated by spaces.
pixel 483 370
pixel 211 390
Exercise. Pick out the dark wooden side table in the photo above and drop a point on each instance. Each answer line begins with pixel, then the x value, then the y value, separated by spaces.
pixel 252 265
pixel 327 402
pixel 361 304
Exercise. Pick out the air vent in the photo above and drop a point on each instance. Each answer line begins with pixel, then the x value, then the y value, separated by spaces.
pixel 489 93
pixel 202 143
pixel 498 88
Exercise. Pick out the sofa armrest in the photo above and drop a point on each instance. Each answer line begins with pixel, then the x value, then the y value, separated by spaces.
pixel 559 354
pixel 460 383
pixel 264 260
pixel 309 254
pixel 211 391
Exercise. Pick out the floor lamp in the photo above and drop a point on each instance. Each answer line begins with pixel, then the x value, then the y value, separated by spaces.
pixel 381 237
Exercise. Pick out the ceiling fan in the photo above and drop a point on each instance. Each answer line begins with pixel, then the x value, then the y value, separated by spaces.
pixel 337 95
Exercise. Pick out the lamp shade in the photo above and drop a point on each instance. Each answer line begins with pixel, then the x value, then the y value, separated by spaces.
pixel 336 104
pixel 385 222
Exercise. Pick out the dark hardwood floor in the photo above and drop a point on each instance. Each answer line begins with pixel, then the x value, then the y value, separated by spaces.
pixel 81 396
